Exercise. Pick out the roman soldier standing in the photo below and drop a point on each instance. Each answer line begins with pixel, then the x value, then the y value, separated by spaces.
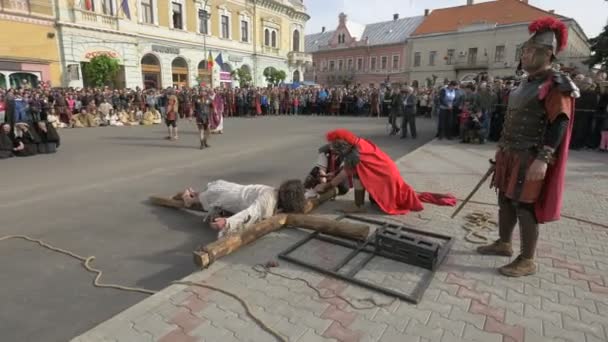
pixel 533 149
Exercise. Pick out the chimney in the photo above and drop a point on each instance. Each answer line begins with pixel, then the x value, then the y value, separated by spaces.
pixel 395 16
pixel 323 29
pixel 552 11
pixel 427 12
pixel 470 2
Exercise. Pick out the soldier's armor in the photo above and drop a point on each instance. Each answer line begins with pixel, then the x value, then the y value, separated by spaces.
pixel 526 118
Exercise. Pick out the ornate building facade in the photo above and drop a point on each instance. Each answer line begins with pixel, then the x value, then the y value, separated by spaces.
pixel 354 54
pixel 28 53
pixel 162 43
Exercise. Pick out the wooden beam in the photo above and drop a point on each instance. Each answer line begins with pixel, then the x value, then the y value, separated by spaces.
pixel 349 230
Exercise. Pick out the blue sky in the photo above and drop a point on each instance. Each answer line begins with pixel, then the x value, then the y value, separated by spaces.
pixel 590 14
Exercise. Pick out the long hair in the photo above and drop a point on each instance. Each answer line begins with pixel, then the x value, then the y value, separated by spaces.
pixel 291 196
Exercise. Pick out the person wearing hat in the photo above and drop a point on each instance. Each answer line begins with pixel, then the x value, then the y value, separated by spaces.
pixel 532 152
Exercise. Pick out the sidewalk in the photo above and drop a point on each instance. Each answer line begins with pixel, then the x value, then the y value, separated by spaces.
pixel 567 300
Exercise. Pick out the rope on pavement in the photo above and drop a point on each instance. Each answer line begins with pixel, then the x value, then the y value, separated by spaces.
pixel 477 223
pixel 86 263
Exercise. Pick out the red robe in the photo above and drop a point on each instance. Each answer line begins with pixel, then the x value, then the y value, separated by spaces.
pixel 381 178
pixel 549 204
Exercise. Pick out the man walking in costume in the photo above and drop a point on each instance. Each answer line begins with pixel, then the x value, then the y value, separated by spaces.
pixel 533 149
pixel 374 171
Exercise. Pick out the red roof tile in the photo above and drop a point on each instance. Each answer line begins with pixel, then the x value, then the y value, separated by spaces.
pixel 501 12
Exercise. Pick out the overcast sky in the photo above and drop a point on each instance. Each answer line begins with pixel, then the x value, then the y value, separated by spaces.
pixel 590 14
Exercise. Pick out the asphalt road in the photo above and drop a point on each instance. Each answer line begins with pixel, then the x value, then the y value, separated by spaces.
pixel 90 198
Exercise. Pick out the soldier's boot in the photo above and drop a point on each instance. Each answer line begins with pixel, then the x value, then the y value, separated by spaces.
pixel 520 267
pixel 206 139
pixel 202 143
pixel 497 248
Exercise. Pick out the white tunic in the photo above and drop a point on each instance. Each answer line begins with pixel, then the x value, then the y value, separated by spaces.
pixel 250 203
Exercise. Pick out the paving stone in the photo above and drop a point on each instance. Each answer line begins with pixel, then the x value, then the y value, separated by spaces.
pixel 209 332
pixel 535 292
pixel 568 335
pixel 531 298
pixel 587 316
pixel 553 317
pixel 471 333
pixel 155 325
pixel 570 311
pixel 415 328
pixel 516 307
pixel 449 337
pixel 495 290
pixel 340 333
pixel 508 283
pixel 449 288
pixel 311 336
pixel 550 287
pixel 591 328
pixel 412 312
pixel 318 325
pixel 456 327
pixel 458 315
pixel 288 329
pixel 587 304
pixel 397 322
pixel 392 335
pixel 455 301
pixel 534 324
pixel 533 336
pixel 370 330
pixel 441 308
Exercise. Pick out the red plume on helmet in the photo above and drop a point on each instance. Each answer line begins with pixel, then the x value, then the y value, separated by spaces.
pixel 557 26
pixel 342 134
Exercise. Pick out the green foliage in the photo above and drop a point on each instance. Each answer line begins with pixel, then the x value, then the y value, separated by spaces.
pixel 243 75
pixel 599 48
pixel 274 76
pixel 101 70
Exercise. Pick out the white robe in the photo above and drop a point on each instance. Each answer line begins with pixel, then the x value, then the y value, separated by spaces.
pixel 250 203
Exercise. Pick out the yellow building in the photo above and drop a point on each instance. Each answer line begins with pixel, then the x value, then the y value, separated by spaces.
pixel 29 53
pixel 161 43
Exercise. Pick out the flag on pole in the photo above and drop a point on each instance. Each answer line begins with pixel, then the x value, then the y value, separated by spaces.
pixel 125 8
pixel 210 61
pixel 219 60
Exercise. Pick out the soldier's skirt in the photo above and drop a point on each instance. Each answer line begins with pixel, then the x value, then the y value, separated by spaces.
pixel 509 174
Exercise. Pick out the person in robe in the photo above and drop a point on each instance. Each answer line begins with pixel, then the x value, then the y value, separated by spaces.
pixel 328 165
pixel 172 114
pixel 374 171
pixel 6 143
pixel 533 149
pixel 84 119
pixel 217 114
pixel 49 138
pixel 105 109
pixel 249 204
pixel 148 118
pixel 25 140
pixel 202 110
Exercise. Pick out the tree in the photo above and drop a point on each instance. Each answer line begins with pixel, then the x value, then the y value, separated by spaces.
pixel 274 76
pixel 101 70
pixel 599 49
pixel 243 75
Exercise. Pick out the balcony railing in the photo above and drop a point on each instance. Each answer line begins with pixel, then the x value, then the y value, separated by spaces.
pixel 269 50
pixel 91 18
pixel 296 57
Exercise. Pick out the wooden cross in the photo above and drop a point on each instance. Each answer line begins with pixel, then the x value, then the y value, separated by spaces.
pixel 206 255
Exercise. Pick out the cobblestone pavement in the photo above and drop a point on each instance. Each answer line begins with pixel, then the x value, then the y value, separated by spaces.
pixel 567 300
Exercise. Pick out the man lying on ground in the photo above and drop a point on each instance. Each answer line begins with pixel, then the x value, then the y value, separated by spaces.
pixel 249 203
pixel 374 171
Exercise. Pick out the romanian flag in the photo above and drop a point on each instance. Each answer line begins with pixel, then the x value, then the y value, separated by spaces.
pixel 210 61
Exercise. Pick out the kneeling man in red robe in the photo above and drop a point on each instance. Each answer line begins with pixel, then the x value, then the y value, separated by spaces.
pixel 374 171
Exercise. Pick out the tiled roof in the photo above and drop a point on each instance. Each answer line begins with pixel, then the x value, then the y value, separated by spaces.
pixel 391 32
pixel 313 41
pixel 500 12
pixel 386 32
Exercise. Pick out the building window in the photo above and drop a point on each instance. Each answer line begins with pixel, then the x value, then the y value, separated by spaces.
pixel 147 14
pixel 332 65
pixel 203 21
pixel 372 64
pixel 341 38
pixel 417 58
pixel 472 58
pixel 177 15
pixel 274 38
pixel 384 62
pixel 340 65
pixel 395 62
pixel 296 41
pixel 244 31
pixel 518 53
pixel 432 56
pixel 225 25
pixel 449 58
pixel 267 37
pixel 359 64
pixel 349 64
pixel 499 56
